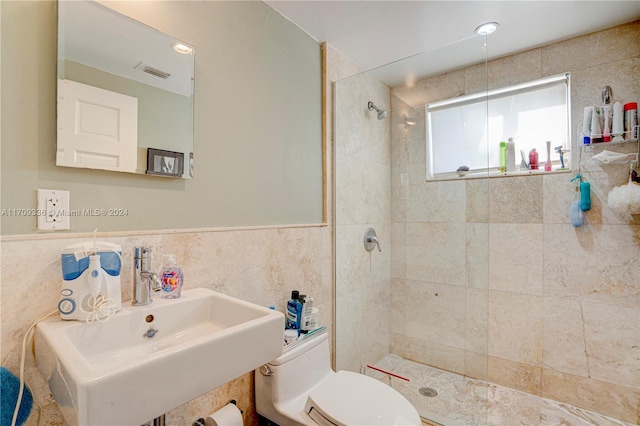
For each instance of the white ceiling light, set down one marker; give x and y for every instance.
(182, 48)
(487, 28)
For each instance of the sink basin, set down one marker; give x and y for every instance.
(148, 360)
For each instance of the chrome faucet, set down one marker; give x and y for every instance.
(144, 281)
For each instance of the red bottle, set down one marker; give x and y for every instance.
(533, 159)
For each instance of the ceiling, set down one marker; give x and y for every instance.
(94, 35)
(375, 33)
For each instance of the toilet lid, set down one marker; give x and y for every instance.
(347, 398)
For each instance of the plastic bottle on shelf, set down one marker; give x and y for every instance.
(294, 312)
(547, 165)
(533, 159)
(596, 130)
(606, 129)
(586, 125)
(511, 155)
(631, 120)
(503, 157)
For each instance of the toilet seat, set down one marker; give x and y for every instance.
(350, 399)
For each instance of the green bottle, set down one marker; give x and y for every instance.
(503, 157)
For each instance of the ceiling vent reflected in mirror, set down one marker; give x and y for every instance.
(153, 71)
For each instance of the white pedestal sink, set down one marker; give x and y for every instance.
(115, 373)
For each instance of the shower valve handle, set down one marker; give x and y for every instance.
(371, 240)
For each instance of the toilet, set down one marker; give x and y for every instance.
(300, 388)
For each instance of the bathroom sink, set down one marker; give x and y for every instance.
(147, 360)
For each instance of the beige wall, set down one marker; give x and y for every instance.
(489, 277)
(258, 147)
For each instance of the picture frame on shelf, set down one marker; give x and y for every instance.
(161, 162)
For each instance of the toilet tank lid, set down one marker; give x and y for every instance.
(300, 346)
(348, 398)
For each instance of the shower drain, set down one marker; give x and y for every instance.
(428, 392)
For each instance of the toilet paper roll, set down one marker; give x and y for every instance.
(229, 415)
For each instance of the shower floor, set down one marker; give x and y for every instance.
(463, 401)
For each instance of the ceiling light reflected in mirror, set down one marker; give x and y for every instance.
(486, 28)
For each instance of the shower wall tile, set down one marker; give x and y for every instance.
(515, 257)
(400, 133)
(475, 79)
(418, 145)
(564, 336)
(514, 69)
(375, 323)
(599, 48)
(363, 181)
(515, 327)
(436, 313)
(524, 377)
(476, 365)
(398, 250)
(477, 261)
(338, 66)
(365, 192)
(559, 193)
(432, 89)
(352, 260)
(515, 200)
(477, 200)
(399, 306)
(611, 340)
(430, 353)
(596, 266)
(436, 252)
(399, 190)
(349, 339)
(617, 401)
(437, 202)
(476, 318)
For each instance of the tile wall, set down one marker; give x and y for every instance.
(362, 200)
(489, 278)
(258, 265)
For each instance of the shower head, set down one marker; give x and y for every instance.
(382, 113)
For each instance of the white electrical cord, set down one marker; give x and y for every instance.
(101, 309)
(22, 359)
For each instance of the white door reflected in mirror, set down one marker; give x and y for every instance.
(97, 128)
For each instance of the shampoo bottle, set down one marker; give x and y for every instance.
(503, 157)
(172, 278)
(294, 311)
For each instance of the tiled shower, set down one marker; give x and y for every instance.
(487, 278)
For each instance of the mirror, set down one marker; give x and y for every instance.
(125, 94)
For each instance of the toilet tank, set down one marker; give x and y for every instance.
(302, 366)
